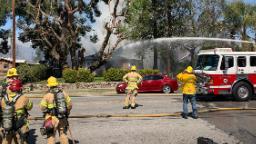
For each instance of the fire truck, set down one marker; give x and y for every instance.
(222, 71)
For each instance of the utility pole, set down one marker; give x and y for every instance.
(13, 35)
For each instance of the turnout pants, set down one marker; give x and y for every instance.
(130, 97)
(17, 136)
(62, 130)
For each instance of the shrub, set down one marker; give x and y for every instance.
(114, 74)
(69, 75)
(25, 73)
(148, 71)
(39, 72)
(84, 75)
(32, 73)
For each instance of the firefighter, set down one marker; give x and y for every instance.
(132, 79)
(56, 106)
(15, 107)
(10, 76)
(188, 87)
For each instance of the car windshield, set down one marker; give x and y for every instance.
(207, 62)
(148, 77)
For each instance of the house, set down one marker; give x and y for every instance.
(89, 60)
(6, 63)
(123, 62)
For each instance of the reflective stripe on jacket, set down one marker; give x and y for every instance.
(22, 104)
(132, 79)
(48, 102)
(188, 81)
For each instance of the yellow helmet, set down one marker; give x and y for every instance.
(52, 82)
(133, 68)
(12, 72)
(189, 69)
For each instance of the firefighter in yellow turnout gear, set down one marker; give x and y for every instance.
(188, 87)
(10, 76)
(56, 106)
(14, 114)
(132, 79)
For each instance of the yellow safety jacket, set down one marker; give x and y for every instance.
(132, 79)
(188, 81)
(22, 105)
(48, 102)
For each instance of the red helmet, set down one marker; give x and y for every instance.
(15, 85)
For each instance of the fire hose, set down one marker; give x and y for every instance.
(176, 114)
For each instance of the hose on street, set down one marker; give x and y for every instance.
(176, 114)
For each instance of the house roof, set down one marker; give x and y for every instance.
(10, 60)
(17, 60)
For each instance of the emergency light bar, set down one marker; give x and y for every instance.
(217, 50)
(223, 50)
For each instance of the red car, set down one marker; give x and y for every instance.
(153, 83)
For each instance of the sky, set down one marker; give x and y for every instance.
(25, 52)
(250, 1)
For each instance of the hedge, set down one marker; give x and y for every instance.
(80, 75)
(148, 71)
(34, 73)
(116, 74)
(69, 75)
(84, 75)
(39, 72)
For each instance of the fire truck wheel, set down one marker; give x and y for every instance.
(242, 91)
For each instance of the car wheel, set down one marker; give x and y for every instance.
(242, 91)
(167, 89)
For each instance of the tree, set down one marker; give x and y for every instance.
(55, 27)
(210, 18)
(238, 18)
(4, 47)
(113, 29)
(4, 34)
(150, 19)
(5, 8)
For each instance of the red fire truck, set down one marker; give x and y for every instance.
(222, 71)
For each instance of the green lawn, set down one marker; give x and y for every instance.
(99, 79)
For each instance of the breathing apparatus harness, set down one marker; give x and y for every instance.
(10, 121)
(60, 109)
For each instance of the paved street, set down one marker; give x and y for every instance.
(240, 124)
(164, 130)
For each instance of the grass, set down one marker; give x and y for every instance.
(99, 79)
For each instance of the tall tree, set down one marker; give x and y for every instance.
(151, 19)
(210, 18)
(4, 34)
(4, 11)
(55, 26)
(238, 18)
(113, 31)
